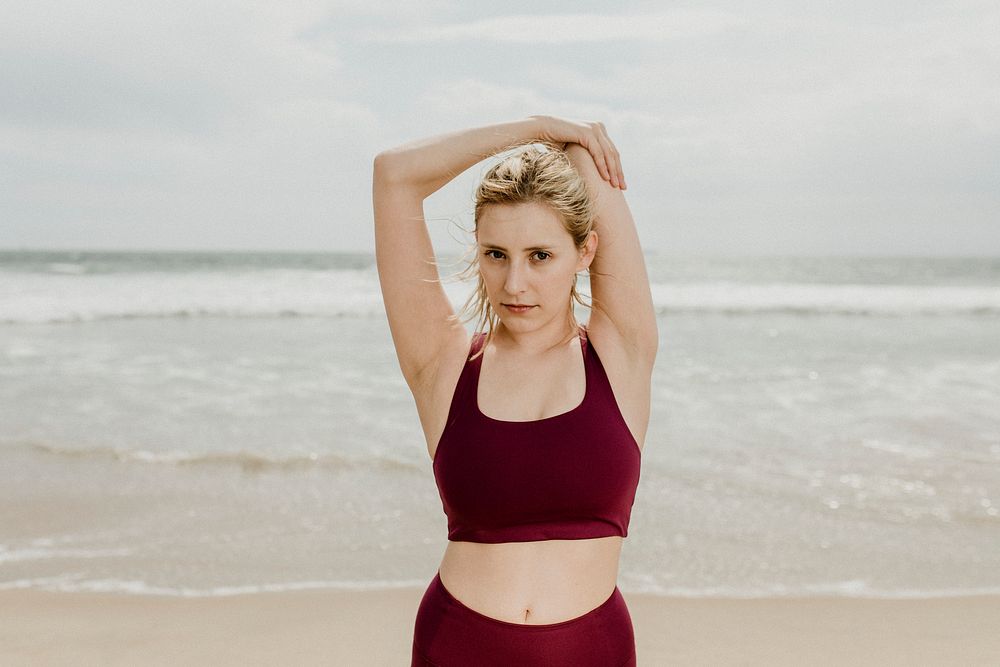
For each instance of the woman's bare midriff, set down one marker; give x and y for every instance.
(532, 582)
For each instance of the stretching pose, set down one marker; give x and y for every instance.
(534, 424)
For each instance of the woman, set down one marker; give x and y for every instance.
(535, 438)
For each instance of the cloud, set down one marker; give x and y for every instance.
(247, 125)
(162, 65)
(133, 124)
(564, 28)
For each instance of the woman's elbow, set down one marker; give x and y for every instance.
(384, 166)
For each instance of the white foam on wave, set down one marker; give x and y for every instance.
(892, 447)
(853, 588)
(66, 267)
(43, 553)
(44, 298)
(51, 298)
(248, 461)
(846, 589)
(76, 584)
(818, 298)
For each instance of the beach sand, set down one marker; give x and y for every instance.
(375, 628)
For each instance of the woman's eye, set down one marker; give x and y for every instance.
(492, 254)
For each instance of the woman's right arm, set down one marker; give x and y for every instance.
(426, 165)
(416, 305)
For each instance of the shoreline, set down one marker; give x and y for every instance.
(319, 627)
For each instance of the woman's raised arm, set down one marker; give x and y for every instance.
(426, 165)
(418, 310)
(619, 282)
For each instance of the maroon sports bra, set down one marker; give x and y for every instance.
(566, 477)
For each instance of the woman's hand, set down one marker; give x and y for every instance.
(590, 135)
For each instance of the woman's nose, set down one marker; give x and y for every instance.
(513, 283)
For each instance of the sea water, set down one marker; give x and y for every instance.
(217, 423)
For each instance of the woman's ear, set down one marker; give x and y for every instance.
(588, 252)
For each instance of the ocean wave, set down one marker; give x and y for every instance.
(42, 553)
(847, 589)
(808, 299)
(35, 299)
(31, 298)
(248, 461)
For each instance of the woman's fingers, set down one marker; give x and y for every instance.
(615, 161)
(597, 152)
(618, 167)
(593, 136)
(616, 156)
(611, 160)
(607, 151)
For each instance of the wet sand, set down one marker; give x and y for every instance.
(375, 628)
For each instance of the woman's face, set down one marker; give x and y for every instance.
(527, 257)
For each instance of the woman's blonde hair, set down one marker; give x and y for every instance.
(541, 172)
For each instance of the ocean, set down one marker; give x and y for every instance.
(204, 424)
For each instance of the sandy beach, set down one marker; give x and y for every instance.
(375, 628)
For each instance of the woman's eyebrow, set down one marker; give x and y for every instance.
(492, 246)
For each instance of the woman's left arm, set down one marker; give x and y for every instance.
(619, 283)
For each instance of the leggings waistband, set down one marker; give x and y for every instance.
(608, 603)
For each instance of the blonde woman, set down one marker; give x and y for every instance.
(534, 425)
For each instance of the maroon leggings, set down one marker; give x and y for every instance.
(449, 634)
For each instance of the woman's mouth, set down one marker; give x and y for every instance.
(517, 309)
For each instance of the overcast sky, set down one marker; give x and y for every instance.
(783, 127)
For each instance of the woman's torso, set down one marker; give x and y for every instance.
(543, 581)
